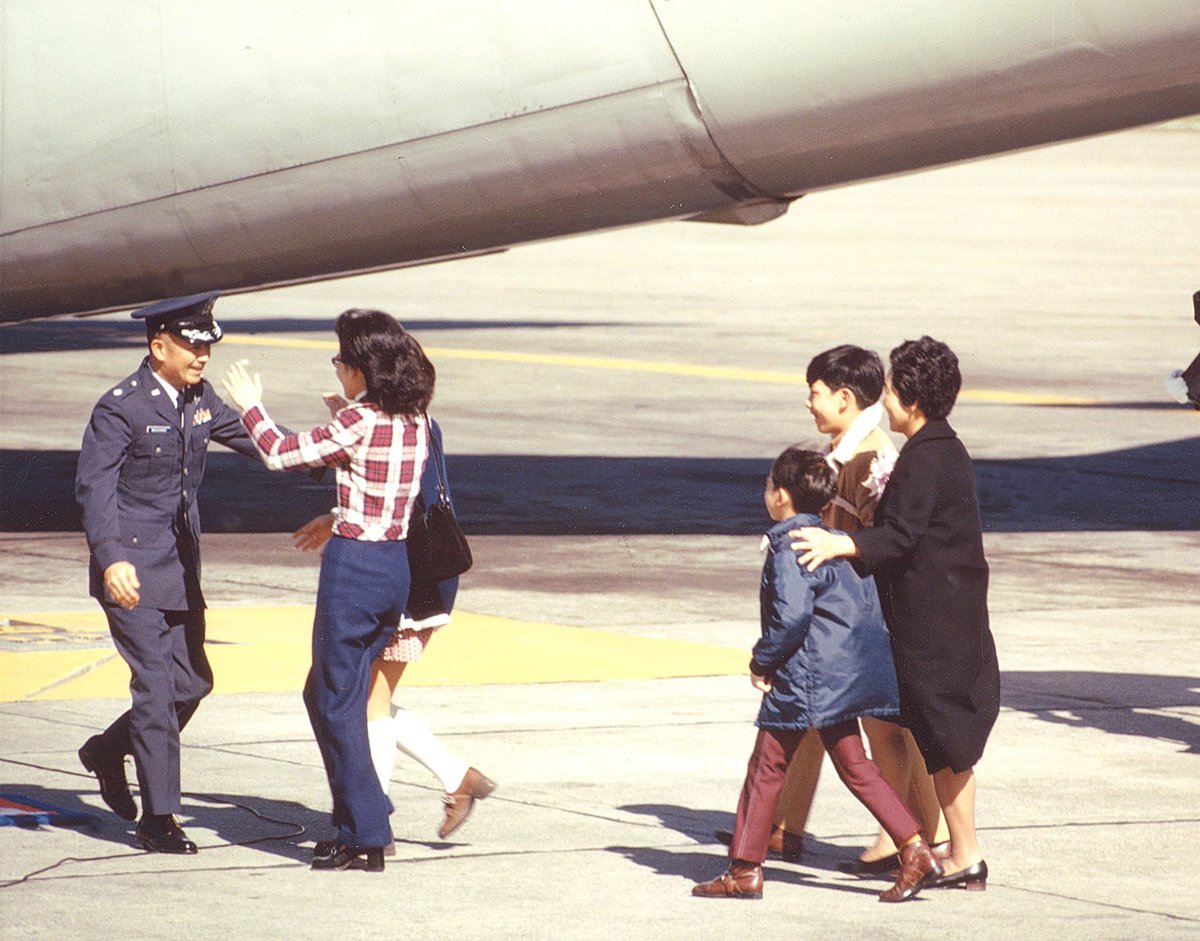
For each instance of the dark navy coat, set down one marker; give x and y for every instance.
(926, 553)
(137, 479)
(824, 645)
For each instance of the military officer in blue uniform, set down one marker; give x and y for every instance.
(140, 465)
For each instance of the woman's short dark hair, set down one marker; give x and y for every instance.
(849, 367)
(398, 374)
(925, 372)
(806, 476)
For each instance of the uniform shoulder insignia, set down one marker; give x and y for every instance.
(118, 391)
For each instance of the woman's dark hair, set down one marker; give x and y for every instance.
(806, 476)
(925, 372)
(849, 367)
(398, 374)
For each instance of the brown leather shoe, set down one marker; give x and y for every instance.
(785, 845)
(789, 846)
(918, 867)
(739, 881)
(458, 805)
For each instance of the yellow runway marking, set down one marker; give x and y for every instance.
(59, 656)
(652, 366)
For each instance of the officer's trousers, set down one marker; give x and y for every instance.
(170, 675)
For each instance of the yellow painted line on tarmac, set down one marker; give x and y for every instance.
(1021, 398)
(69, 655)
(651, 366)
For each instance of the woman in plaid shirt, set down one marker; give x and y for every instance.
(378, 445)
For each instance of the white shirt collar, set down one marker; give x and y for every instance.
(862, 426)
(168, 388)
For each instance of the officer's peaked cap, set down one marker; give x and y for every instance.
(189, 318)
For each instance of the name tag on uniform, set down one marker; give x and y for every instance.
(157, 429)
(200, 416)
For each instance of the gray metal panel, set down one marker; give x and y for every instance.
(240, 145)
(801, 96)
(611, 161)
(157, 157)
(108, 109)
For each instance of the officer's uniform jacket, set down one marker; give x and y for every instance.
(136, 483)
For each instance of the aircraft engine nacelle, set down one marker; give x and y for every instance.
(162, 149)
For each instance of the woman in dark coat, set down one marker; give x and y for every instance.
(926, 553)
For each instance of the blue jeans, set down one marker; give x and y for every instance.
(360, 597)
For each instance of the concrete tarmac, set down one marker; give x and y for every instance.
(611, 404)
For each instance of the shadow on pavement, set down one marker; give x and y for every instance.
(1117, 703)
(74, 334)
(1150, 488)
(700, 867)
(277, 827)
(700, 825)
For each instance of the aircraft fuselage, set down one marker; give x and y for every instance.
(161, 149)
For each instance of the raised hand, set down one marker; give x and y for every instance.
(245, 390)
(334, 402)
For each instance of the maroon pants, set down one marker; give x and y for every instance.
(764, 782)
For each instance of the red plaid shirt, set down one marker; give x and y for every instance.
(379, 460)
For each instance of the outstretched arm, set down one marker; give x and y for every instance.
(280, 450)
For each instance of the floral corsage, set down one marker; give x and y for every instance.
(879, 473)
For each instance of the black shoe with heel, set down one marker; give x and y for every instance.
(974, 878)
(342, 856)
(110, 773)
(159, 833)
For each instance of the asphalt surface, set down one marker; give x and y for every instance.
(611, 404)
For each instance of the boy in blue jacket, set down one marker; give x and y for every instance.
(823, 661)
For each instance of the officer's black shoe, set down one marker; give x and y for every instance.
(110, 772)
(159, 833)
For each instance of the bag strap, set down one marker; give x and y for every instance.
(435, 453)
